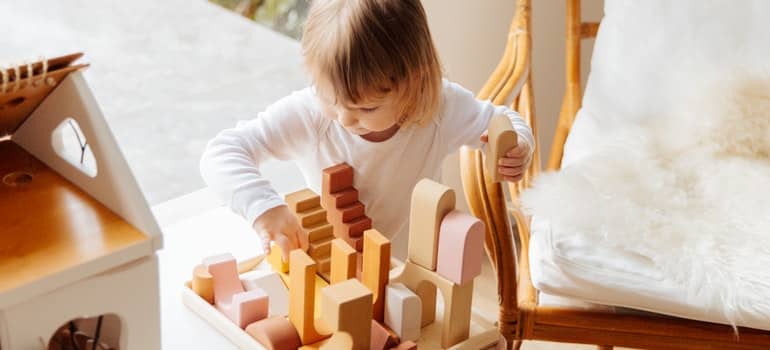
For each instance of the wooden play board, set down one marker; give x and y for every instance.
(342, 292)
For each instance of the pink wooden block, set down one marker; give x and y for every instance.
(241, 307)
(460, 247)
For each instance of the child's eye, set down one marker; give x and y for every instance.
(369, 109)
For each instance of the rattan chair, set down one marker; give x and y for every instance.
(520, 317)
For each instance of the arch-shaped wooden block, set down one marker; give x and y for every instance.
(275, 333)
(239, 306)
(431, 201)
(460, 247)
(502, 138)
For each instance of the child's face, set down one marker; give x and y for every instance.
(369, 115)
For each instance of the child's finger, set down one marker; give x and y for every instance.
(513, 179)
(518, 151)
(511, 162)
(285, 245)
(511, 171)
(484, 137)
(264, 239)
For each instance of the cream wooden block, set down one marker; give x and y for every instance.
(403, 311)
(343, 261)
(431, 201)
(502, 138)
(272, 284)
(302, 291)
(460, 247)
(376, 265)
(302, 200)
(347, 307)
(457, 300)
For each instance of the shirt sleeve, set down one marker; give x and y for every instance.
(286, 130)
(465, 118)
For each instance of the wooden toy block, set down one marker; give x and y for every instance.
(347, 307)
(320, 248)
(381, 338)
(302, 291)
(343, 261)
(272, 284)
(457, 300)
(337, 178)
(320, 283)
(431, 201)
(324, 265)
(343, 198)
(502, 138)
(319, 231)
(427, 294)
(407, 345)
(356, 227)
(275, 333)
(312, 217)
(239, 306)
(460, 247)
(203, 283)
(403, 311)
(275, 258)
(352, 211)
(250, 263)
(376, 266)
(302, 200)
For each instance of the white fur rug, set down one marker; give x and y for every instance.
(690, 191)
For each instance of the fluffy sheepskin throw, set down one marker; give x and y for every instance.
(690, 191)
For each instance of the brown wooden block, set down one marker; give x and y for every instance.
(203, 283)
(337, 178)
(502, 138)
(343, 198)
(319, 231)
(275, 333)
(302, 200)
(358, 243)
(343, 258)
(312, 217)
(381, 338)
(324, 264)
(375, 270)
(357, 227)
(352, 211)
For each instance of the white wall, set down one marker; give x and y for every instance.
(470, 37)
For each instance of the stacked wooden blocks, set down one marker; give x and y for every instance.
(313, 219)
(343, 209)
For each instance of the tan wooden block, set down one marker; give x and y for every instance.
(203, 283)
(312, 217)
(431, 201)
(320, 248)
(275, 333)
(319, 231)
(427, 293)
(346, 307)
(275, 259)
(457, 300)
(302, 290)
(302, 200)
(320, 283)
(502, 138)
(324, 265)
(337, 178)
(357, 227)
(343, 258)
(407, 345)
(343, 198)
(375, 269)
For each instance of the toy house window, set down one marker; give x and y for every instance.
(71, 144)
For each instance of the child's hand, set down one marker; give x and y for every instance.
(280, 226)
(514, 163)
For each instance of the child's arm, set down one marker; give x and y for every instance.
(287, 130)
(466, 120)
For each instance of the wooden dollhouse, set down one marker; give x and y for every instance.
(77, 238)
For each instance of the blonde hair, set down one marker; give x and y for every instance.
(368, 48)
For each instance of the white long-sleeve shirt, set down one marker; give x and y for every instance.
(294, 128)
